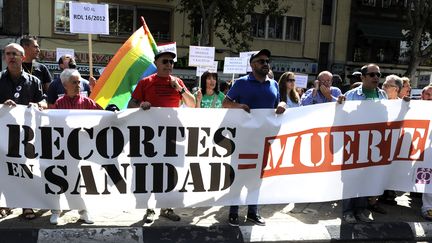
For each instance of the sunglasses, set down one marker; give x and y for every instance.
(372, 75)
(263, 61)
(165, 61)
(291, 80)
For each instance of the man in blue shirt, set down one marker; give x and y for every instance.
(354, 209)
(254, 91)
(368, 90)
(322, 92)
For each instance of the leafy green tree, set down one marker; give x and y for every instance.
(228, 20)
(419, 15)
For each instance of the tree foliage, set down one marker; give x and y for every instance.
(419, 16)
(228, 20)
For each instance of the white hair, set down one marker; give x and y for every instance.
(66, 75)
(16, 46)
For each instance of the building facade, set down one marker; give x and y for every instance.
(313, 35)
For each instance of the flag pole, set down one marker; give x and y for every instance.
(90, 55)
(143, 23)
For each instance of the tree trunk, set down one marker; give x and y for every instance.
(415, 54)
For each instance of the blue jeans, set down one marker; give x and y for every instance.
(252, 209)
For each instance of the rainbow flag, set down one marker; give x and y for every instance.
(132, 62)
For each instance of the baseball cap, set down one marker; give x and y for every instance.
(261, 52)
(164, 52)
(356, 73)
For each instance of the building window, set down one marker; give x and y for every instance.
(272, 27)
(327, 12)
(158, 21)
(258, 25)
(275, 27)
(293, 28)
(370, 3)
(61, 17)
(123, 20)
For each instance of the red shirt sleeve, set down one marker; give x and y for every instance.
(138, 93)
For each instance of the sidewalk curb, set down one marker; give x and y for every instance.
(279, 232)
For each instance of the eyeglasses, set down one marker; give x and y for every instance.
(263, 61)
(291, 80)
(372, 75)
(12, 53)
(165, 61)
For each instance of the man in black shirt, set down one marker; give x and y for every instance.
(19, 87)
(31, 48)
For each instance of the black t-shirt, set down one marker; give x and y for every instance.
(39, 70)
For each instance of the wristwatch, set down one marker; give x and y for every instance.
(182, 90)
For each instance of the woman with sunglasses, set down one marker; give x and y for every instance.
(288, 91)
(209, 96)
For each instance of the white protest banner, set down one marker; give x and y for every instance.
(301, 80)
(201, 56)
(247, 55)
(172, 47)
(87, 18)
(235, 65)
(64, 51)
(166, 157)
(201, 69)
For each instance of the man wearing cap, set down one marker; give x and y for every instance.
(254, 91)
(323, 91)
(56, 88)
(161, 90)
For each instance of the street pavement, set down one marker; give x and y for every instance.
(300, 222)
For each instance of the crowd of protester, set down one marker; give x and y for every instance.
(26, 82)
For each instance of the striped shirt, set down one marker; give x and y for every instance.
(77, 102)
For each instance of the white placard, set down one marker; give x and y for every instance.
(64, 51)
(247, 55)
(86, 18)
(201, 69)
(171, 47)
(235, 65)
(301, 80)
(201, 56)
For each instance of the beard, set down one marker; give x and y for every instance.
(262, 71)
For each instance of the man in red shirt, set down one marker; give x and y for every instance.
(161, 90)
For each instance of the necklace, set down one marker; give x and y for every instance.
(27, 70)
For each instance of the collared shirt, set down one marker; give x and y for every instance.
(39, 70)
(77, 102)
(357, 94)
(28, 88)
(308, 98)
(255, 94)
(56, 89)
